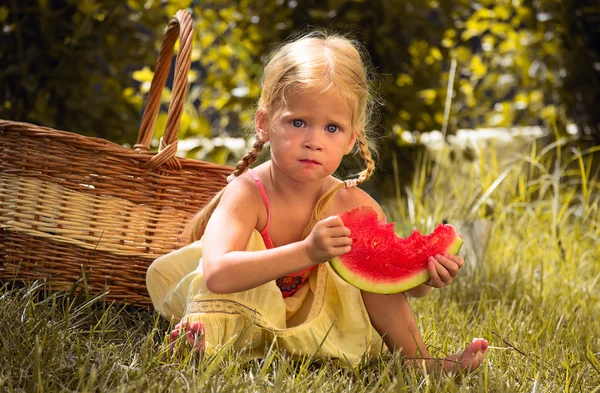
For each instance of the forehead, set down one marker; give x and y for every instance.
(331, 103)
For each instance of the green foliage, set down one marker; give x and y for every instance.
(67, 64)
(508, 57)
(74, 65)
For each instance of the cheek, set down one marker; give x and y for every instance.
(281, 145)
(287, 139)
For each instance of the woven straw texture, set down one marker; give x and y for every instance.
(74, 206)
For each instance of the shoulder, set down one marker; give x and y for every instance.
(230, 225)
(242, 194)
(349, 198)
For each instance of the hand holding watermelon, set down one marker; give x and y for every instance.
(443, 269)
(381, 262)
(328, 239)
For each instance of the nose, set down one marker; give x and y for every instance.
(313, 141)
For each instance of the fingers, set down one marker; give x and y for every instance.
(332, 221)
(337, 251)
(329, 238)
(339, 241)
(443, 269)
(338, 232)
(434, 280)
(452, 263)
(440, 276)
(333, 227)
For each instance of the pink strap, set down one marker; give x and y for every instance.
(261, 188)
(286, 289)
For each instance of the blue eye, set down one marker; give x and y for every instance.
(332, 128)
(297, 123)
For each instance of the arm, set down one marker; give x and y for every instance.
(229, 268)
(419, 291)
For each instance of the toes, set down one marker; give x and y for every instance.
(476, 361)
(474, 353)
(478, 344)
(194, 334)
(197, 328)
(196, 331)
(175, 333)
(191, 340)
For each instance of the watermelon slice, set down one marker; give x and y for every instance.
(382, 262)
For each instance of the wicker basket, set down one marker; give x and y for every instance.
(72, 205)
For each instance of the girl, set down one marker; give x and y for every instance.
(255, 270)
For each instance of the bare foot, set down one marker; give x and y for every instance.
(469, 359)
(194, 333)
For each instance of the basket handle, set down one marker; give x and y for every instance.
(179, 27)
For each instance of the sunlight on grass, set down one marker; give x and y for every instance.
(535, 296)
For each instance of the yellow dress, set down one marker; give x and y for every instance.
(326, 318)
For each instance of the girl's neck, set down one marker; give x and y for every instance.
(290, 189)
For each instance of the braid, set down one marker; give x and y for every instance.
(249, 158)
(365, 152)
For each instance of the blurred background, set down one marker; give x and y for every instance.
(449, 72)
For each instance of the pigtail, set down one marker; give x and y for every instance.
(365, 152)
(248, 159)
(194, 230)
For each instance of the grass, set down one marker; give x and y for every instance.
(535, 297)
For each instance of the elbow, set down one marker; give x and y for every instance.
(215, 282)
(419, 291)
(214, 286)
(416, 295)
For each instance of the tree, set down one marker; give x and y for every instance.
(509, 58)
(512, 57)
(581, 19)
(67, 64)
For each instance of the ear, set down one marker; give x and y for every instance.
(261, 125)
(351, 143)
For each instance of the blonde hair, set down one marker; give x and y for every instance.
(316, 60)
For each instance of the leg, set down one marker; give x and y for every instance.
(393, 319)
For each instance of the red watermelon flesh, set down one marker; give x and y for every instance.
(381, 262)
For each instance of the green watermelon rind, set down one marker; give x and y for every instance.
(388, 288)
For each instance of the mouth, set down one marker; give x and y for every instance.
(310, 162)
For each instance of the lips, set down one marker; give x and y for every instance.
(308, 161)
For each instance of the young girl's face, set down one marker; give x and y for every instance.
(310, 135)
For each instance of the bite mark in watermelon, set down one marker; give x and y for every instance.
(382, 262)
